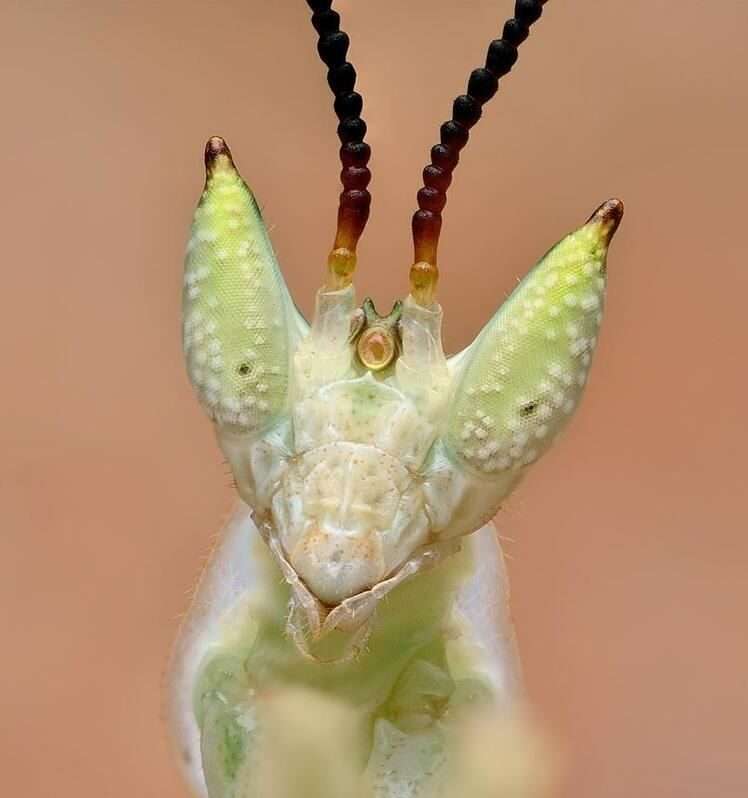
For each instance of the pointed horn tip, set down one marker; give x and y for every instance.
(214, 149)
(609, 214)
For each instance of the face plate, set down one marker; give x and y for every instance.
(363, 473)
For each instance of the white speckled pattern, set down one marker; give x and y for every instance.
(353, 471)
(361, 573)
(530, 363)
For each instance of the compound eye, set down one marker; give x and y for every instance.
(376, 348)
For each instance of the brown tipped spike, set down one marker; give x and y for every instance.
(216, 146)
(609, 214)
(217, 154)
(217, 157)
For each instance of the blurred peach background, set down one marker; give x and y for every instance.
(629, 557)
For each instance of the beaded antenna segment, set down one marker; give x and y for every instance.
(355, 176)
(453, 136)
(363, 563)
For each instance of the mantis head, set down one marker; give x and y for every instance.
(364, 451)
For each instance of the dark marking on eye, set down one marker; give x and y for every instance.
(244, 369)
(528, 409)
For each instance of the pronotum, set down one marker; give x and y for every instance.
(362, 562)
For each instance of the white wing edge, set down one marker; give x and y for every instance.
(483, 602)
(230, 575)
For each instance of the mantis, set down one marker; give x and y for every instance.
(363, 563)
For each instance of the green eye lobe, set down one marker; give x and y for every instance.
(235, 303)
(527, 369)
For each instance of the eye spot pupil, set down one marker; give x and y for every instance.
(376, 348)
(377, 351)
(244, 369)
(528, 409)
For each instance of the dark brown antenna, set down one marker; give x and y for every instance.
(454, 134)
(355, 200)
